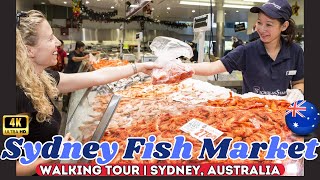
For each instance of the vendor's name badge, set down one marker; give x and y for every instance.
(291, 72)
(15, 125)
(200, 130)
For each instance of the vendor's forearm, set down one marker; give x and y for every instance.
(208, 69)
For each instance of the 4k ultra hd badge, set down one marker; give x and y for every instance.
(14, 125)
(302, 117)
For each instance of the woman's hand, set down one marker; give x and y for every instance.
(68, 137)
(147, 67)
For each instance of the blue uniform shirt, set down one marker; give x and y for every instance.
(261, 74)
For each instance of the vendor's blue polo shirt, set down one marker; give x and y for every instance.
(261, 74)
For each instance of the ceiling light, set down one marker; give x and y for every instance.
(237, 6)
(193, 11)
(262, 1)
(237, 11)
(193, 3)
(87, 2)
(225, 13)
(168, 8)
(43, 3)
(152, 9)
(112, 7)
(98, 0)
(65, 2)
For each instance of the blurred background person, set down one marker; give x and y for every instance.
(254, 35)
(194, 59)
(236, 42)
(61, 59)
(63, 55)
(75, 59)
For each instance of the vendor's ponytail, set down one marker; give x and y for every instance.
(290, 32)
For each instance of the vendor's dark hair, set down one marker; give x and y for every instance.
(290, 32)
(79, 44)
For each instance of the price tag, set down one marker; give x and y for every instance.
(200, 130)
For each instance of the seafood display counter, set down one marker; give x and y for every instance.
(163, 110)
(233, 80)
(85, 67)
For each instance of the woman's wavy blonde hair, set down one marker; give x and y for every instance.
(38, 87)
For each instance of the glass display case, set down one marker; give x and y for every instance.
(133, 107)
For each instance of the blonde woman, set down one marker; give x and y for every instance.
(36, 49)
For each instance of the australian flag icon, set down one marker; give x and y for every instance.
(302, 117)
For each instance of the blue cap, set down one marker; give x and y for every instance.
(276, 9)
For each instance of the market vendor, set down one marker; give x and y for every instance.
(271, 64)
(75, 59)
(36, 49)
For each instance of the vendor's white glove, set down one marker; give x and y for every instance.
(294, 95)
